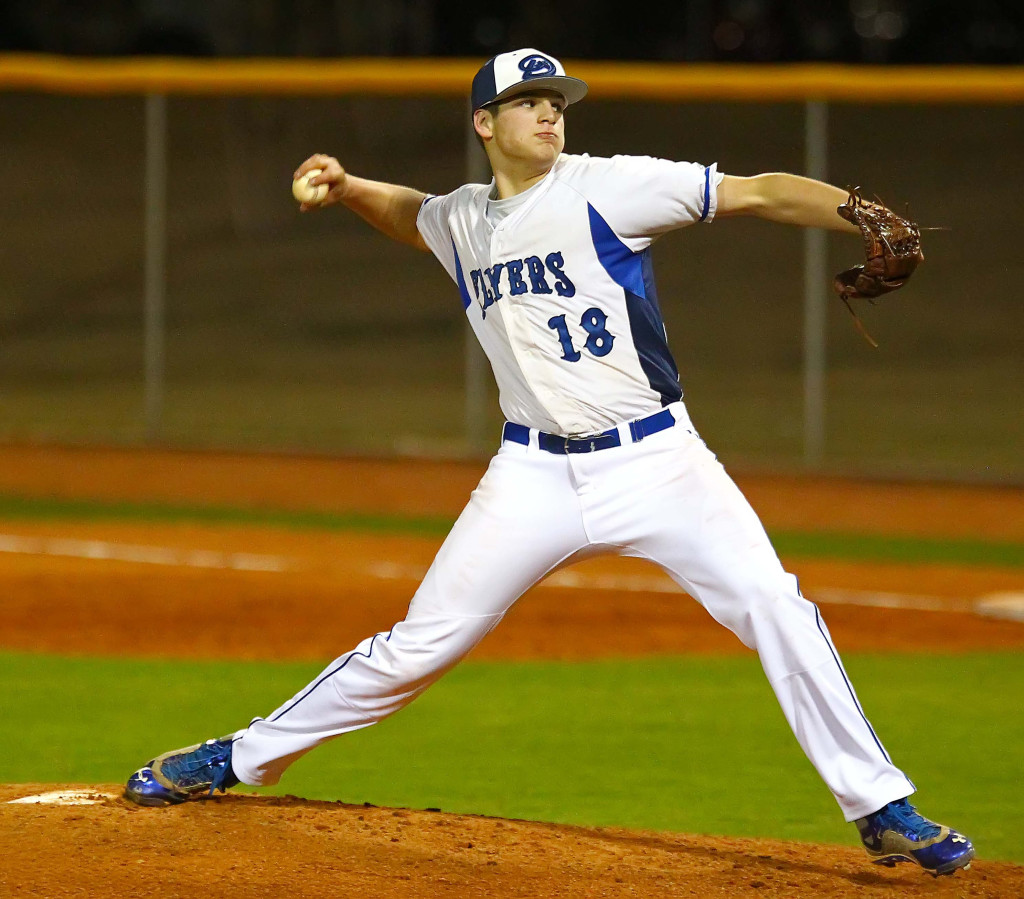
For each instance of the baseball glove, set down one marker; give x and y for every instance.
(892, 250)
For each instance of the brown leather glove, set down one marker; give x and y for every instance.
(892, 250)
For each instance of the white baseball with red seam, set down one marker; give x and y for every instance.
(305, 192)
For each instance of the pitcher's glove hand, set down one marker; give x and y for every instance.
(892, 250)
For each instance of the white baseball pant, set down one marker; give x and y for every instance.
(666, 499)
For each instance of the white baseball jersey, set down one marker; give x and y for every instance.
(560, 292)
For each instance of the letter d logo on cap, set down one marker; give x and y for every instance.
(537, 66)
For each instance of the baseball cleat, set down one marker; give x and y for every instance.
(182, 774)
(897, 833)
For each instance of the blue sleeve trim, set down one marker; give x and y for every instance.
(707, 193)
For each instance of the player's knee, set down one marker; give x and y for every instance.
(405, 666)
(753, 604)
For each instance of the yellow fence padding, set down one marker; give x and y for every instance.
(451, 77)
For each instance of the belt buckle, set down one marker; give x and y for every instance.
(574, 445)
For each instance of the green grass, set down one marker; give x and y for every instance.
(35, 509)
(893, 548)
(677, 744)
(824, 544)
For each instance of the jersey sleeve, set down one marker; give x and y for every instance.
(432, 222)
(644, 196)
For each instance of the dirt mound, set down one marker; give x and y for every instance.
(244, 845)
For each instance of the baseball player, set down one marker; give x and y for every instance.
(552, 264)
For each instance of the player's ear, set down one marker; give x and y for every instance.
(483, 123)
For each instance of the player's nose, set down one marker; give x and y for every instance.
(547, 111)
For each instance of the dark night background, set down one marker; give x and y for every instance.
(852, 31)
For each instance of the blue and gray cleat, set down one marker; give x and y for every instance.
(182, 774)
(897, 833)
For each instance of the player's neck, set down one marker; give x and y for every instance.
(511, 180)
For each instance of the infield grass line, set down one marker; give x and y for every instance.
(802, 544)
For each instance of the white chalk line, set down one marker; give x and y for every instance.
(627, 583)
(1008, 606)
(881, 600)
(148, 555)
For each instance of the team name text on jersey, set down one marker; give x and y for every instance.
(514, 274)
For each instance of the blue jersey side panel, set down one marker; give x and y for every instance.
(634, 273)
(459, 279)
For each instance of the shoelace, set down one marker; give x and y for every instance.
(902, 816)
(191, 767)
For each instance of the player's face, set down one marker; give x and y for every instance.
(530, 128)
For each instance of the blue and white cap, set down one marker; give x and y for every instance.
(508, 74)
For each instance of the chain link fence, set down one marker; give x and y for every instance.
(312, 333)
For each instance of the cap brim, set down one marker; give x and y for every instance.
(573, 89)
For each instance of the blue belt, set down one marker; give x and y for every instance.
(553, 443)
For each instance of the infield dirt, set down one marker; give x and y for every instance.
(61, 599)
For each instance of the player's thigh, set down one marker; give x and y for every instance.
(694, 521)
(521, 522)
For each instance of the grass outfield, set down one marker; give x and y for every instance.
(677, 744)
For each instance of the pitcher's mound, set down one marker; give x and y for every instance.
(76, 840)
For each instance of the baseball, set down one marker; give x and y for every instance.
(304, 193)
